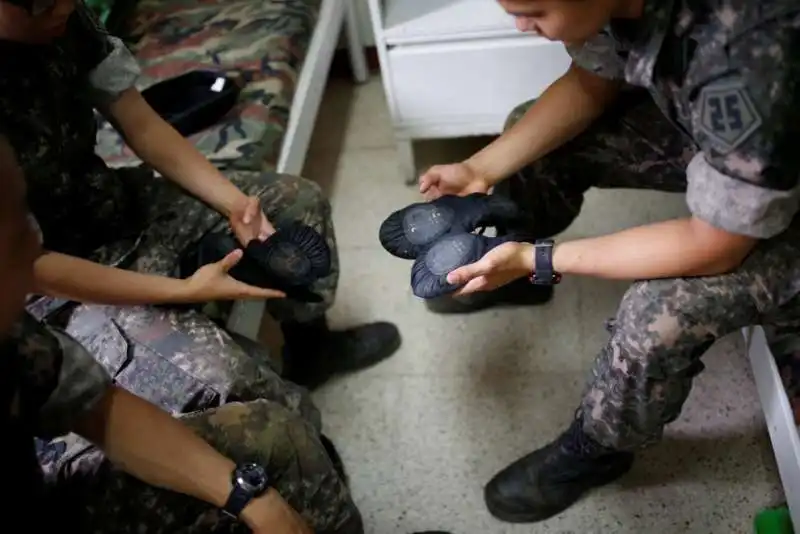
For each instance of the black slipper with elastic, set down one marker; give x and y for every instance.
(409, 232)
(290, 260)
(430, 270)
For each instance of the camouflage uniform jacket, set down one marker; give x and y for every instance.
(725, 73)
(47, 381)
(48, 97)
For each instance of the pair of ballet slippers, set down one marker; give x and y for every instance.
(440, 236)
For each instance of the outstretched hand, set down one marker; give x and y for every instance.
(248, 221)
(498, 267)
(453, 179)
(212, 282)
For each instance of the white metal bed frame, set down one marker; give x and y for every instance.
(783, 430)
(334, 17)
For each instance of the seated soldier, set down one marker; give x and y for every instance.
(244, 467)
(115, 237)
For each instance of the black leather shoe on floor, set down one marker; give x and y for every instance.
(517, 293)
(313, 354)
(549, 480)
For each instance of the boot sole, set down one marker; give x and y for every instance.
(451, 306)
(543, 515)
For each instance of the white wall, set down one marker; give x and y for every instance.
(366, 25)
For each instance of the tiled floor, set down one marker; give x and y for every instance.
(464, 396)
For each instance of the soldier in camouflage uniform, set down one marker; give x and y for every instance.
(161, 474)
(115, 237)
(698, 97)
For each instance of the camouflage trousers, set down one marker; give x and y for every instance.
(223, 386)
(100, 498)
(642, 376)
(178, 357)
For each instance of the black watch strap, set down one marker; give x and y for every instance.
(248, 481)
(543, 272)
(237, 500)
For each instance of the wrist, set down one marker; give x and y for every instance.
(186, 292)
(526, 259)
(228, 203)
(482, 170)
(568, 256)
(258, 512)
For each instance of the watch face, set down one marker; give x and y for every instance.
(251, 478)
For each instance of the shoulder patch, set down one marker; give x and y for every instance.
(727, 115)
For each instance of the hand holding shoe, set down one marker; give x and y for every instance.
(212, 282)
(454, 179)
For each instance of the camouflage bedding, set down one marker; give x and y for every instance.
(261, 42)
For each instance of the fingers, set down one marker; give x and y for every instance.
(481, 283)
(229, 262)
(429, 179)
(432, 194)
(266, 229)
(464, 274)
(251, 210)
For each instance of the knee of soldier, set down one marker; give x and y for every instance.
(301, 197)
(656, 316)
(517, 113)
(265, 431)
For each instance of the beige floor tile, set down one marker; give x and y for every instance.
(367, 188)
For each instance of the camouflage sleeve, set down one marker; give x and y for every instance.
(601, 55)
(746, 121)
(117, 69)
(61, 379)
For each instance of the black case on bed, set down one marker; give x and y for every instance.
(193, 101)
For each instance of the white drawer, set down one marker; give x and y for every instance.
(471, 84)
(429, 21)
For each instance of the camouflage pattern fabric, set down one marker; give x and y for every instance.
(263, 44)
(132, 219)
(632, 146)
(50, 382)
(260, 431)
(178, 357)
(727, 144)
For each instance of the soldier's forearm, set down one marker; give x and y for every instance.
(59, 275)
(149, 444)
(159, 450)
(167, 151)
(670, 249)
(563, 111)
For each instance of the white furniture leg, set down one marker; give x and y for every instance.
(783, 431)
(358, 56)
(246, 316)
(408, 168)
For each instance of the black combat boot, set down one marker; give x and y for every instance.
(313, 353)
(549, 480)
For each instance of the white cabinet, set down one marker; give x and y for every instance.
(455, 68)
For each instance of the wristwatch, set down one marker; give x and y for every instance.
(543, 273)
(249, 481)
